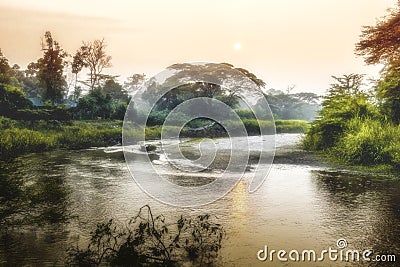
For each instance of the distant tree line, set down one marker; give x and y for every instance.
(54, 86)
(296, 106)
(48, 83)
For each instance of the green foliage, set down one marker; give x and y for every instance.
(4, 69)
(59, 113)
(245, 114)
(291, 126)
(95, 105)
(370, 142)
(158, 117)
(115, 90)
(344, 101)
(20, 137)
(50, 70)
(324, 134)
(351, 128)
(19, 141)
(6, 123)
(120, 110)
(150, 241)
(12, 98)
(388, 93)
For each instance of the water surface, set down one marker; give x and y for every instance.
(52, 200)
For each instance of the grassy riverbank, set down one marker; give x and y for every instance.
(366, 145)
(21, 137)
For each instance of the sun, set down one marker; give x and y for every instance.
(237, 46)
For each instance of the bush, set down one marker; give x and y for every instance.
(12, 98)
(151, 241)
(324, 134)
(370, 142)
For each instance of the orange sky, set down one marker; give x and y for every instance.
(284, 42)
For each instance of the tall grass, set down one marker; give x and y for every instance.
(370, 142)
(19, 138)
(291, 126)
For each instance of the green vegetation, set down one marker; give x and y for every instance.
(291, 126)
(20, 137)
(298, 106)
(65, 112)
(147, 240)
(352, 128)
(360, 127)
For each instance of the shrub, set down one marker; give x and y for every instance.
(151, 241)
(370, 142)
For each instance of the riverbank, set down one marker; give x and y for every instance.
(22, 137)
(294, 153)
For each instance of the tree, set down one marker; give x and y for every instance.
(30, 82)
(133, 82)
(345, 101)
(11, 99)
(4, 69)
(115, 89)
(92, 55)
(388, 94)
(50, 70)
(381, 43)
(207, 82)
(95, 105)
(77, 65)
(299, 106)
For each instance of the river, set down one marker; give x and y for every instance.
(51, 201)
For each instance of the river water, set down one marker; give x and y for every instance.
(51, 201)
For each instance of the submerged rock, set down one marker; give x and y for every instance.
(148, 147)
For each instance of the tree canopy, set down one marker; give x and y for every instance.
(92, 55)
(381, 43)
(50, 70)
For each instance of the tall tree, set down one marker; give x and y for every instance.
(92, 55)
(50, 69)
(77, 65)
(4, 69)
(381, 44)
(31, 84)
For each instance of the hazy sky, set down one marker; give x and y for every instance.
(284, 42)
